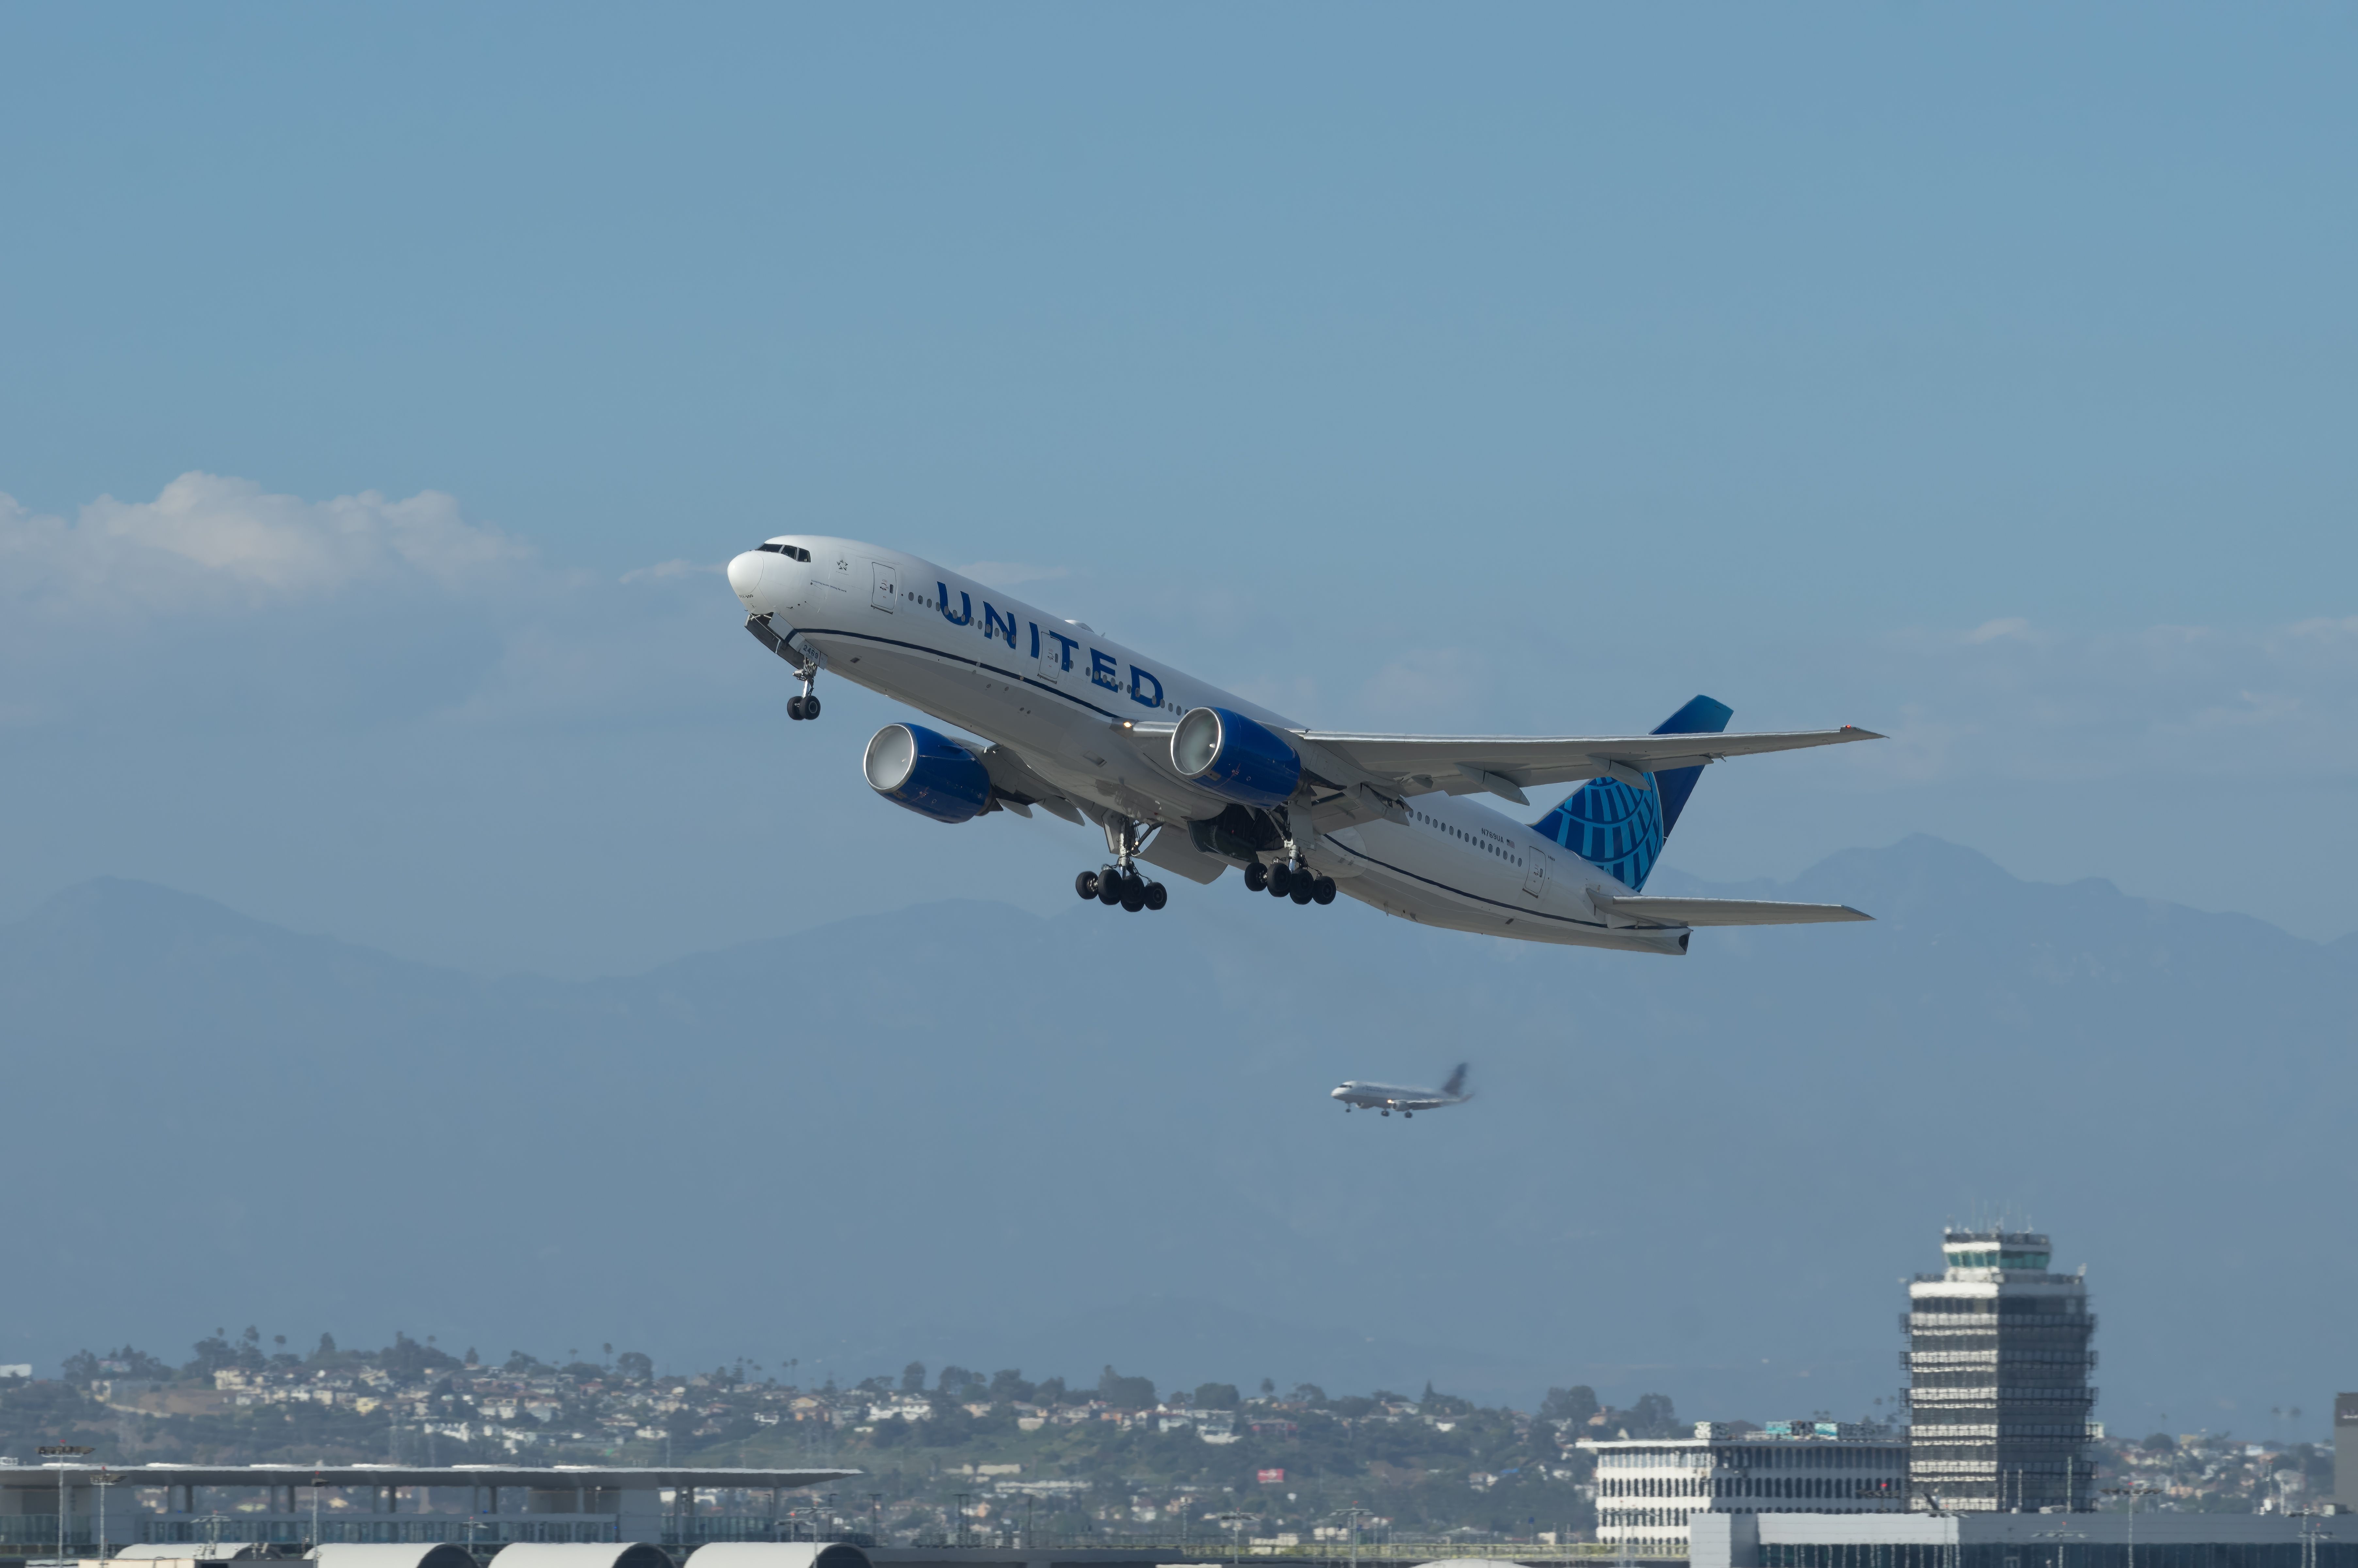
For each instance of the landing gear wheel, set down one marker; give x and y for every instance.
(810, 706)
(1406, 1114)
(1280, 879)
(1133, 892)
(1085, 885)
(1304, 888)
(1109, 883)
(1255, 878)
(1157, 895)
(1322, 891)
(794, 707)
(1388, 1113)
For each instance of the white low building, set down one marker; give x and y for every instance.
(1647, 1488)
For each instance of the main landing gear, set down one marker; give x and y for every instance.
(1299, 883)
(1113, 885)
(1121, 883)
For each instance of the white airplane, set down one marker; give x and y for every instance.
(1391, 1097)
(1194, 780)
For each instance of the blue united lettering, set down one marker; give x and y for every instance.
(994, 624)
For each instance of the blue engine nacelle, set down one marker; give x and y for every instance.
(910, 765)
(1235, 758)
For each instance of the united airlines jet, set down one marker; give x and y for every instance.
(1192, 780)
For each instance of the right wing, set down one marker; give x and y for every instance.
(1507, 765)
(1724, 911)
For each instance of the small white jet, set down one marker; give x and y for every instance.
(1194, 780)
(1391, 1097)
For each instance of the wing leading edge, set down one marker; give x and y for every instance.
(1724, 911)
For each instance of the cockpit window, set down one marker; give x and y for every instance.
(792, 552)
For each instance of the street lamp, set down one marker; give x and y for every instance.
(2133, 1491)
(1355, 1516)
(62, 1453)
(102, 1481)
(1236, 1523)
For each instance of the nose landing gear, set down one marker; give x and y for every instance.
(807, 705)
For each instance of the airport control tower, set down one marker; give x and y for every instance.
(1997, 1365)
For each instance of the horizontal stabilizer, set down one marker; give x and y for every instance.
(1724, 911)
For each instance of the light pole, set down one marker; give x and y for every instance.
(1355, 1516)
(2133, 1491)
(63, 1453)
(2309, 1536)
(1236, 1523)
(102, 1481)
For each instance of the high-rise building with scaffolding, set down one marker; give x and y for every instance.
(1998, 1364)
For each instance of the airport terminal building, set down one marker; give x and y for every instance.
(1648, 1489)
(292, 1507)
(1994, 1540)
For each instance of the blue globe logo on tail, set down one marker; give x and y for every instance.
(1621, 830)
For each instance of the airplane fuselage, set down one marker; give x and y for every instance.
(1393, 1097)
(1093, 718)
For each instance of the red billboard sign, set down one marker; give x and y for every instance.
(1270, 1477)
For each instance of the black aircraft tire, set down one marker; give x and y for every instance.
(810, 706)
(1323, 889)
(1388, 1113)
(1109, 887)
(1085, 885)
(1303, 891)
(1406, 1114)
(1133, 892)
(1280, 878)
(794, 708)
(1156, 895)
(1255, 878)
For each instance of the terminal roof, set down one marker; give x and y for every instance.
(546, 1476)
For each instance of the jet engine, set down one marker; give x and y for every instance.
(1235, 758)
(910, 765)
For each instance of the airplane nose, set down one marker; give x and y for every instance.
(1336, 1095)
(746, 575)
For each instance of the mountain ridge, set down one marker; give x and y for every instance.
(1064, 1114)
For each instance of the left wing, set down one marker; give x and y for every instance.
(1506, 764)
(1724, 911)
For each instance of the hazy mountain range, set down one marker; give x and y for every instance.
(963, 1134)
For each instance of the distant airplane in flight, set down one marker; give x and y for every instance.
(1391, 1097)
(1194, 780)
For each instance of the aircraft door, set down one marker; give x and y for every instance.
(1056, 656)
(1535, 884)
(886, 593)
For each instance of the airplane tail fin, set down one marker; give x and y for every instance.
(1457, 1084)
(1622, 830)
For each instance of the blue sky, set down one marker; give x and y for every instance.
(1985, 378)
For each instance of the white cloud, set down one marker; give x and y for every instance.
(209, 540)
(663, 570)
(1990, 631)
